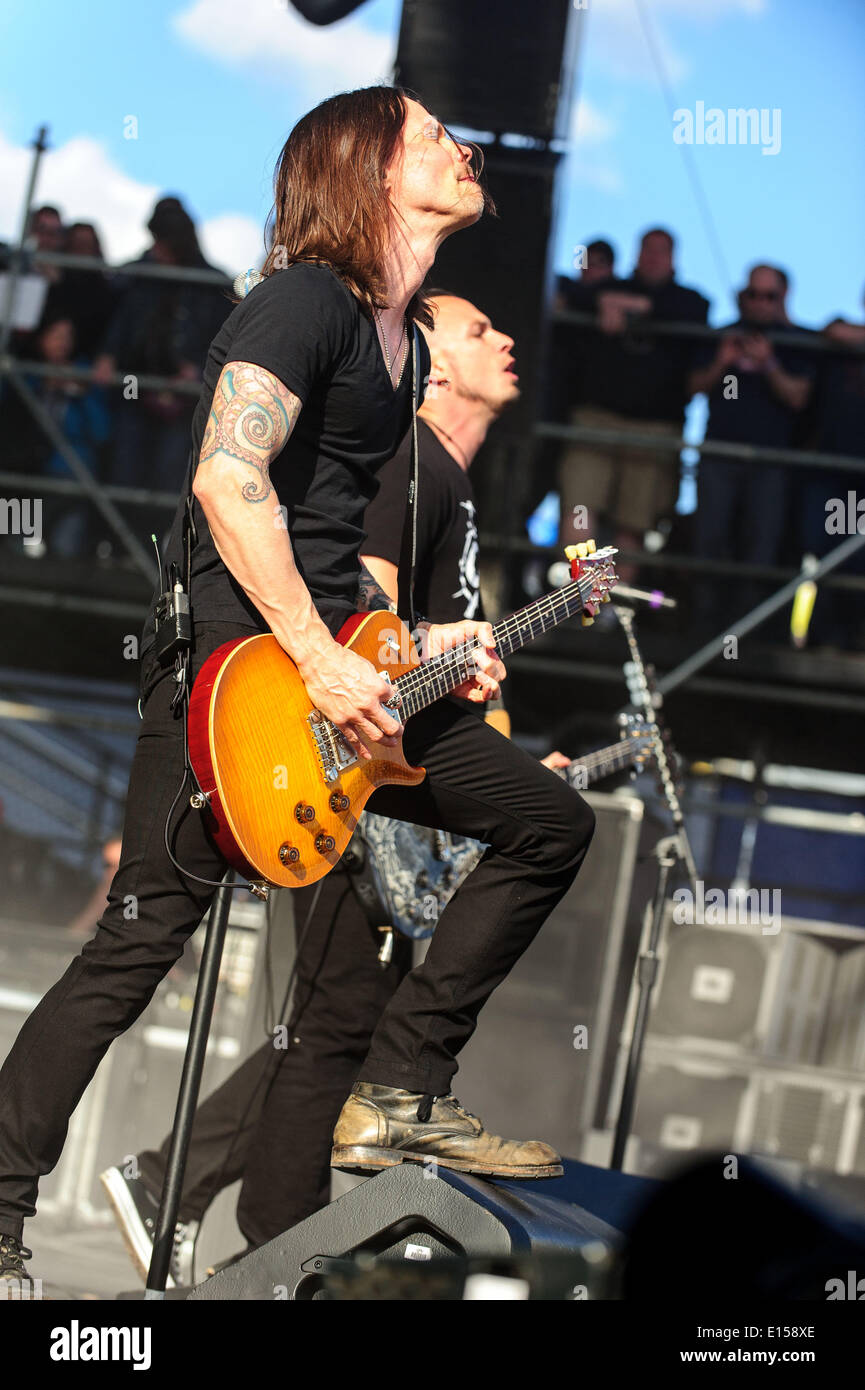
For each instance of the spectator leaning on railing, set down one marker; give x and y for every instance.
(87, 297)
(621, 378)
(160, 328)
(756, 390)
(79, 409)
(837, 426)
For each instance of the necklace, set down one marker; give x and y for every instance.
(450, 438)
(387, 356)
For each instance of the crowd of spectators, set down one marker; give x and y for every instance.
(110, 322)
(612, 372)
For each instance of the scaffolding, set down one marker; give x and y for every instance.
(101, 771)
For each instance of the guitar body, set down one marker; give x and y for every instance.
(283, 793)
(280, 789)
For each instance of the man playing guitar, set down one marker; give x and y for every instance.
(271, 1123)
(305, 397)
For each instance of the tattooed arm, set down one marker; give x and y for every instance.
(378, 584)
(251, 418)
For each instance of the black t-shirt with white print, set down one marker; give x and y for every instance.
(305, 326)
(447, 581)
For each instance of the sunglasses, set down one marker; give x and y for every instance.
(770, 295)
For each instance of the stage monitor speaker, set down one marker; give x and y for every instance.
(410, 1213)
(754, 990)
(692, 1102)
(844, 1038)
(538, 1065)
(489, 67)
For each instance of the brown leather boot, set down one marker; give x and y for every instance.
(379, 1127)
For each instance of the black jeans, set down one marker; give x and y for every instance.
(271, 1123)
(477, 783)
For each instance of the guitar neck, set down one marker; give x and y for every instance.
(600, 763)
(437, 677)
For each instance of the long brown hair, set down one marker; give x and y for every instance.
(330, 204)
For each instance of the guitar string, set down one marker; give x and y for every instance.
(510, 627)
(445, 667)
(514, 625)
(448, 670)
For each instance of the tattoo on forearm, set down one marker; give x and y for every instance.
(251, 417)
(372, 595)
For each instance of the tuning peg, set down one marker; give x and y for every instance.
(570, 552)
(590, 547)
(587, 621)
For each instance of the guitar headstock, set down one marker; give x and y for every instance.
(596, 566)
(640, 740)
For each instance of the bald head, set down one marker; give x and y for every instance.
(470, 361)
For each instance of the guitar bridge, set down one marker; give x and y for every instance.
(334, 754)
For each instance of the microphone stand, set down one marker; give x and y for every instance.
(671, 852)
(190, 1083)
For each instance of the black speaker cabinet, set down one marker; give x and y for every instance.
(499, 67)
(745, 990)
(407, 1213)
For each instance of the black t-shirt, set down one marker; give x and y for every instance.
(632, 373)
(756, 415)
(305, 326)
(447, 580)
(840, 405)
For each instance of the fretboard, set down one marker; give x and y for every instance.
(442, 674)
(602, 761)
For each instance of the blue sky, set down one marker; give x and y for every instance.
(215, 86)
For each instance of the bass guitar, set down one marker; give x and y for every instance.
(414, 871)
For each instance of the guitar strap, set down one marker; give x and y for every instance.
(408, 546)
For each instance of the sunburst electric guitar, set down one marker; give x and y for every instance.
(280, 788)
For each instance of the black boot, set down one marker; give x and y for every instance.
(15, 1282)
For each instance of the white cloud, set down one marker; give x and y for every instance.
(268, 34)
(86, 185)
(233, 242)
(80, 178)
(589, 125)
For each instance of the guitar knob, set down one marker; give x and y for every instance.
(288, 854)
(338, 802)
(303, 812)
(324, 844)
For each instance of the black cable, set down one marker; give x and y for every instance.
(187, 772)
(699, 193)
